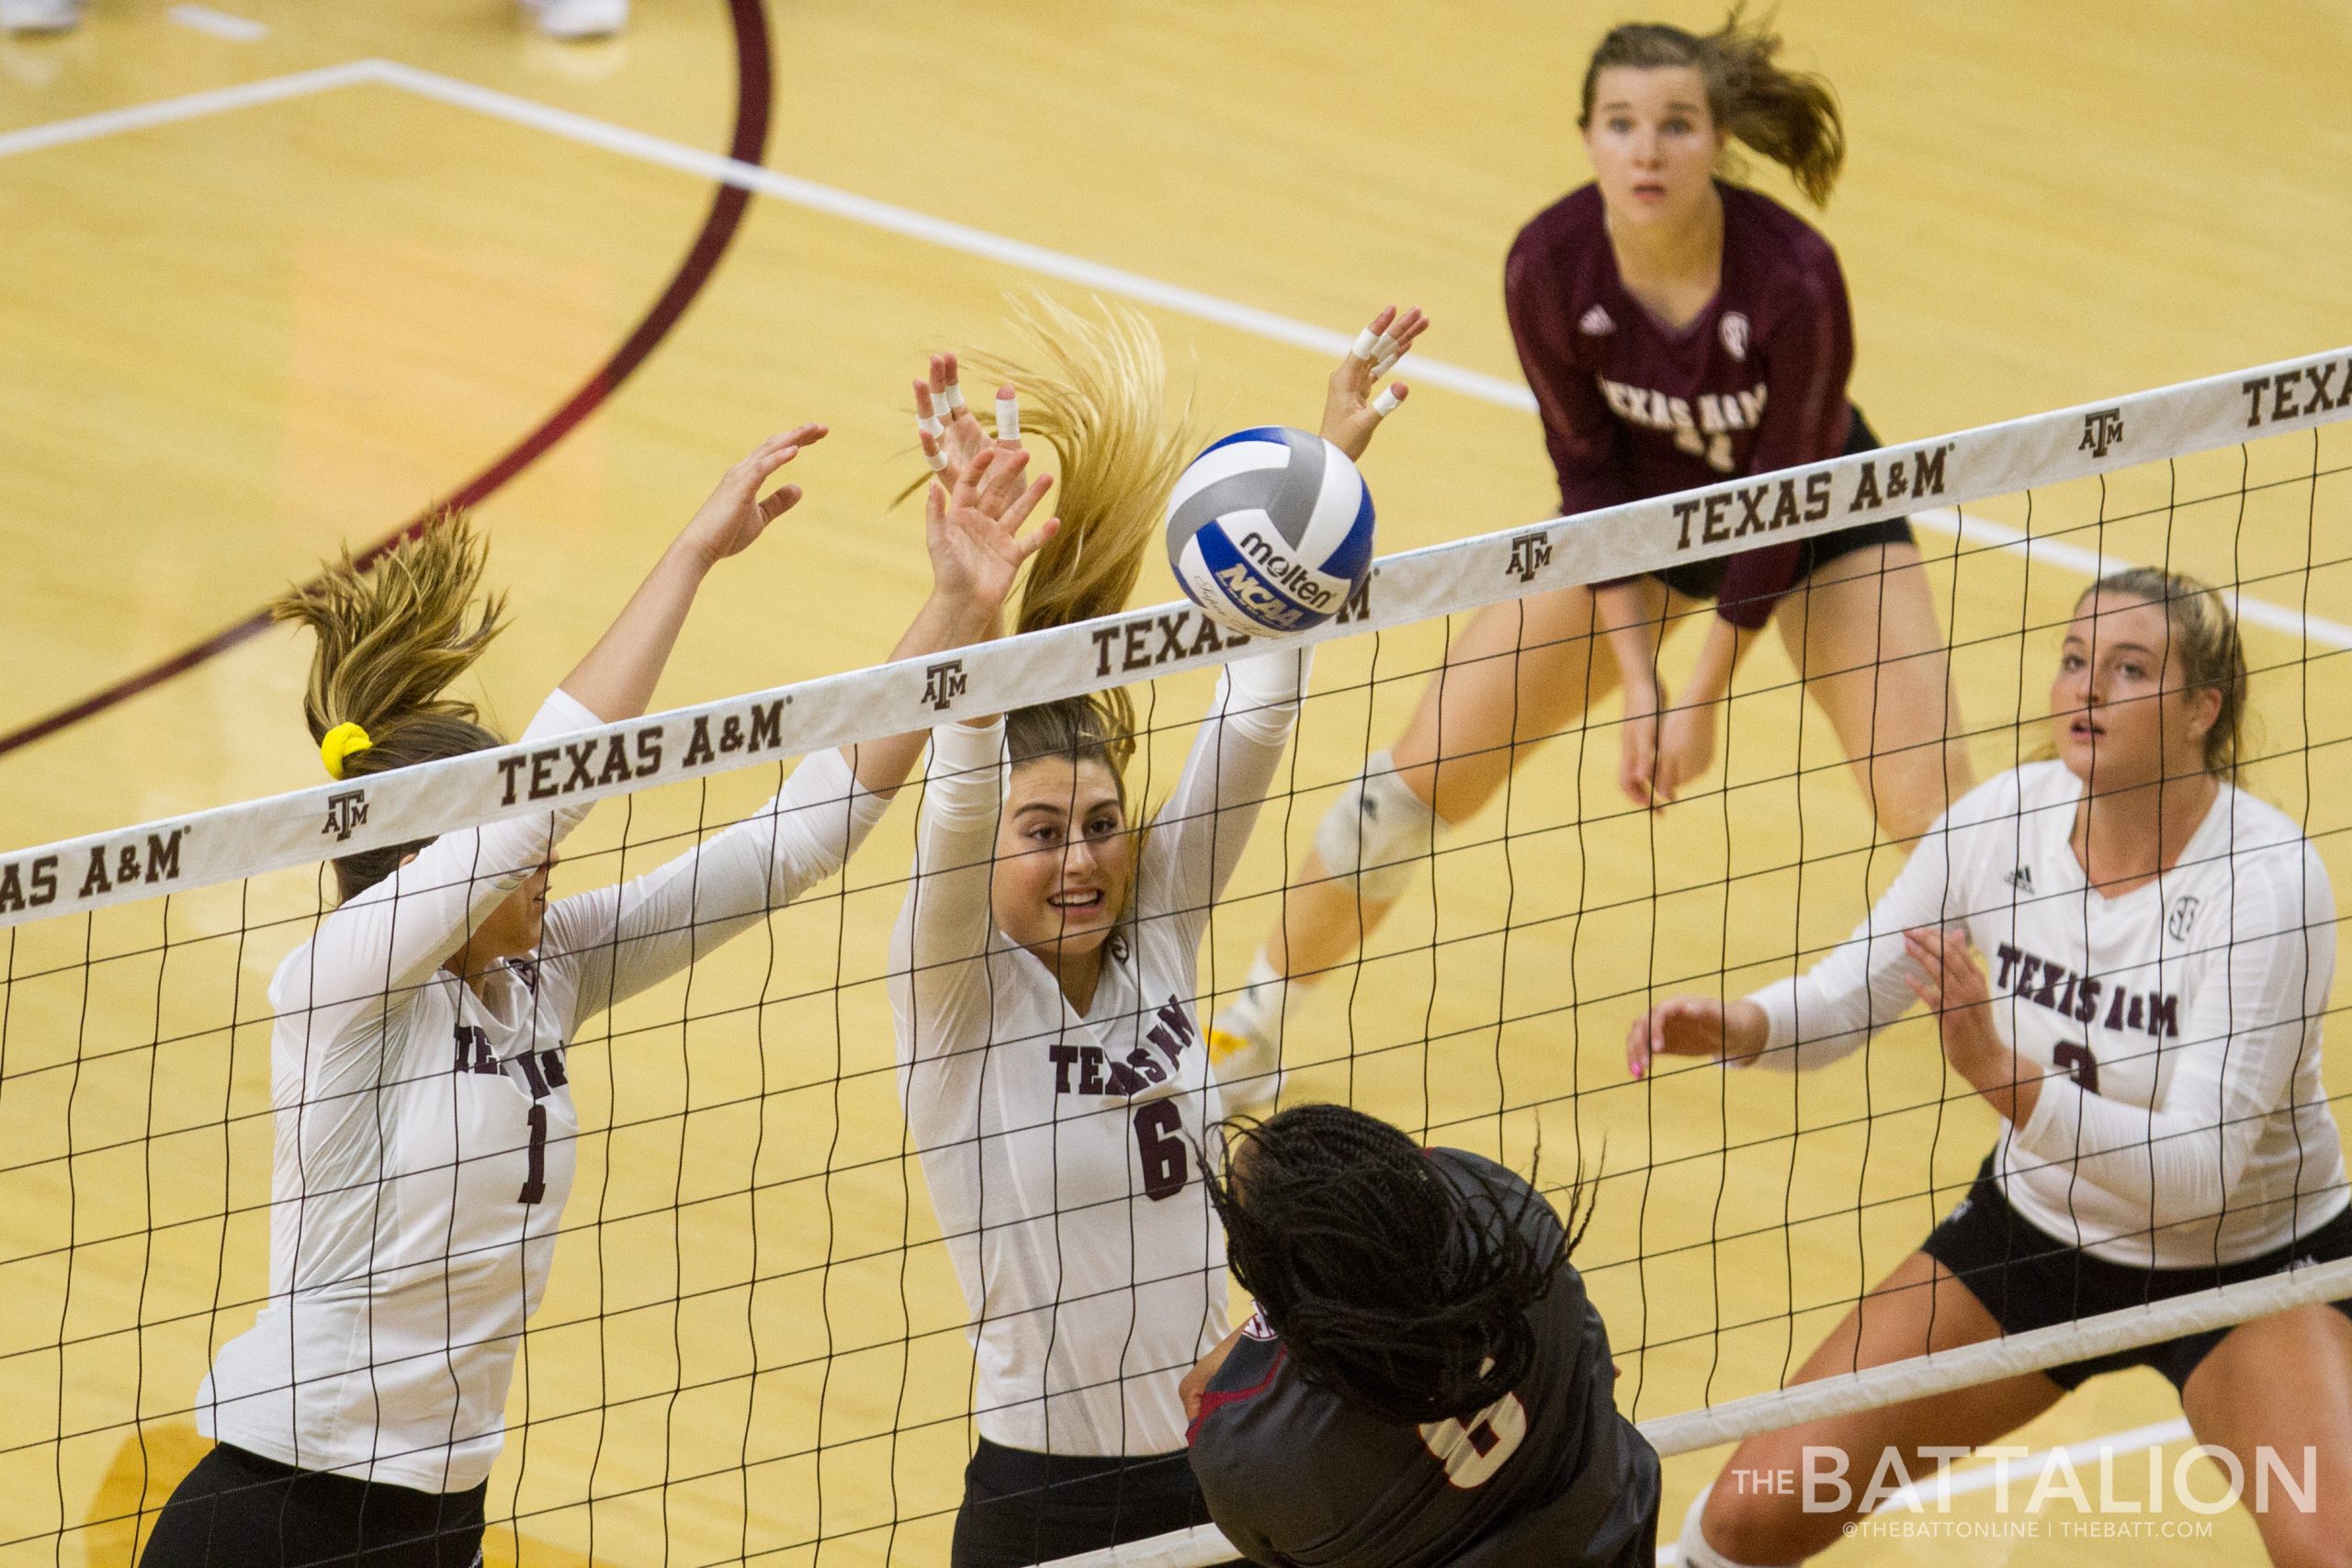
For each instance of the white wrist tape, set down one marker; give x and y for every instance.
(1376, 832)
(1386, 402)
(1008, 418)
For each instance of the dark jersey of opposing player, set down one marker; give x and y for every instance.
(1633, 407)
(1549, 1474)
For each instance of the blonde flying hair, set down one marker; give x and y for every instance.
(391, 641)
(1099, 397)
(1791, 117)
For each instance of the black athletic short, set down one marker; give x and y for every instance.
(237, 1509)
(2029, 1278)
(1704, 579)
(1023, 1507)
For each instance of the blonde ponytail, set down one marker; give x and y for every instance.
(391, 641)
(1100, 400)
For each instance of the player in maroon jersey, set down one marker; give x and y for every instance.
(1677, 329)
(1425, 1380)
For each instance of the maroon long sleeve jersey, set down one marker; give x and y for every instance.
(1633, 407)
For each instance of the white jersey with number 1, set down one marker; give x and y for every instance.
(1059, 1148)
(425, 1134)
(2185, 1122)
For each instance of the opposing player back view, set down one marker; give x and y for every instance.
(1418, 1320)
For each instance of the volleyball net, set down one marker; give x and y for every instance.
(755, 1346)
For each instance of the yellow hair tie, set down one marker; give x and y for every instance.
(345, 740)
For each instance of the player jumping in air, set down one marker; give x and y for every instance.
(1424, 1381)
(425, 1134)
(2128, 957)
(1677, 329)
(1043, 977)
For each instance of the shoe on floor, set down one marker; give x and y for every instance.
(39, 16)
(577, 18)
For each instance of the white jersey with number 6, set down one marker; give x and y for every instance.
(2185, 1121)
(425, 1134)
(1058, 1148)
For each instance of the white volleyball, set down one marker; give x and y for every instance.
(1270, 530)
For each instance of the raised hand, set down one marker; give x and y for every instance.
(1695, 1026)
(1350, 412)
(972, 530)
(735, 515)
(944, 424)
(1946, 976)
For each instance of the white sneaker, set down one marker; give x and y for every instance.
(577, 18)
(1245, 1041)
(41, 15)
(1248, 1071)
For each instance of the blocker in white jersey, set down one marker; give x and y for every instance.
(425, 1132)
(2184, 1122)
(2128, 958)
(424, 1123)
(1059, 1146)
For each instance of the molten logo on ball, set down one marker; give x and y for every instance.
(1269, 529)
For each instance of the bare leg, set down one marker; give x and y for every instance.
(1751, 1517)
(2283, 1384)
(1514, 678)
(1864, 631)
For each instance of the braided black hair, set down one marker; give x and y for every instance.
(1392, 1285)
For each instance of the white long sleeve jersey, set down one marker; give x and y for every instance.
(1059, 1150)
(2184, 1122)
(424, 1134)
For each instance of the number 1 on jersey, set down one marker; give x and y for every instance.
(534, 1184)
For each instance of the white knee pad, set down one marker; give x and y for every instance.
(1375, 831)
(1692, 1550)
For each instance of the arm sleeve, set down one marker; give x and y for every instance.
(1578, 430)
(627, 938)
(1198, 836)
(1806, 363)
(1857, 989)
(939, 981)
(379, 946)
(2252, 1005)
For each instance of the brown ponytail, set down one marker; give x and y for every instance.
(1787, 115)
(390, 640)
(1100, 403)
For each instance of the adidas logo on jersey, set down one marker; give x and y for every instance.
(1595, 322)
(2020, 880)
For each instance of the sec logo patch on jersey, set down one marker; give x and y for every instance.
(1257, 1327)
(1734, 334)
(2181, 919)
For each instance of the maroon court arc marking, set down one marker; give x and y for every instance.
(753, 108)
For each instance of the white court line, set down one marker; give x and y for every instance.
(1054, 264)
(220, 24)
(194, 105)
